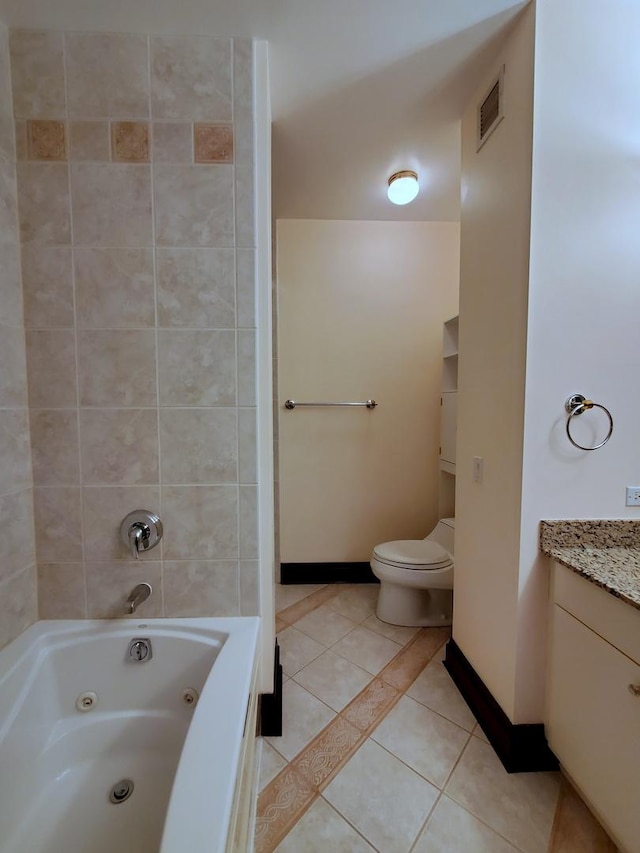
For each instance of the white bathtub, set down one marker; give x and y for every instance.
(58, 764)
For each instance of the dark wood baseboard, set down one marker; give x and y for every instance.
(521, 748)
(271, 703)
(326, 573)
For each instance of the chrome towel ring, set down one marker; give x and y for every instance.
(577, 404)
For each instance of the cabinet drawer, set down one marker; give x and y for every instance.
(593, 723)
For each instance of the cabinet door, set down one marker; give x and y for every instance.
(448, 418)
(593, 723)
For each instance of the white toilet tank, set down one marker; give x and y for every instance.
(443, 533)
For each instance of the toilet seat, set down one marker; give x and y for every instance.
(413, 554)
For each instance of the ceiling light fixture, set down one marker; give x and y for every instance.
(403, 187)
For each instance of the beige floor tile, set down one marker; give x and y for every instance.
(451, 829)
(322, 829)
(333, 679)
(325, 625)
(288, 594)
(297, 650)
(385, 800)
(367, 649)
(303, 716)
(435, 689)
(575, 829)
(424, 740)
(519, 806)
(357, 601)
(271, 763)
(479, 733)
(397, 633)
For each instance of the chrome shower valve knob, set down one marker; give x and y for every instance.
(140, 531)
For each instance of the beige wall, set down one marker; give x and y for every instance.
(18, 587)
(361, 307)
(496, 196)
(139, 303)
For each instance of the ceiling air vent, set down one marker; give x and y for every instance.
(490, 110)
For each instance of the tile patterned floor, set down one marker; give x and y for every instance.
(380, 752)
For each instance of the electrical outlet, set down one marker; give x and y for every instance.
(478, 464)
(633, 496)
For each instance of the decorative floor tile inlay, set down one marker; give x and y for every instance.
(213, 143)
(130, 141)
(325, 755)
(46, 140)
(371, 704)
(280, 805)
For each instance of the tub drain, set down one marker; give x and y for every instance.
(121, 791)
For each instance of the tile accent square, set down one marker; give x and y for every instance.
(361, 793)
(46, 140)
(213, 143)
(130, 141)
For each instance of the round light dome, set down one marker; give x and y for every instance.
(403, 187)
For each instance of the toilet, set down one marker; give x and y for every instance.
(416, 578)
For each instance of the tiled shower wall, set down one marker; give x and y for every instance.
(17, 552)
(135, 184)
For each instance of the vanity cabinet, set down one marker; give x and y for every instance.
(593, 700)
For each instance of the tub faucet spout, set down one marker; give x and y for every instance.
(137, 595)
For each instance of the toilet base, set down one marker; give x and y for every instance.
(401, 605)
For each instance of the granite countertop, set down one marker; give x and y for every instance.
(605, 552)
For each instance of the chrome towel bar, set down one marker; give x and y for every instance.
(291, 404)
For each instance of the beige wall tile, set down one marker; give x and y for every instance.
(119, 446)
(191, 78)
(109, 586)
(107, 75)
(43, 197)
(246, 289)
(21, 139)
(54, 442)
(46, 139)
(213, 143)
(15, 450)
(114, 288)
(8, 136)
(104, 508)
(8, 205)
(199, 446)
(246, 367)
(200, 522)
(194, 205)
(249, 588)
(48, 286)
(172, 142)
(13, 375)
(89, 140)
(201, 588)
(247, 453)
(11, 308)
(51, 359)
(37, 72)
(197, 368)
(117, 368)
(196, 288)
(61, 591)
(16, 532)
(111, 204)
(243, 100)
(130, 141)
(58, 524)
(18, 604)
(245, 228)
(248, 522)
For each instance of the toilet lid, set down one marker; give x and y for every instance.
(413, 554)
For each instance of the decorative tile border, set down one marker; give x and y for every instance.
(296, 611)
(46, 140)
(406, 666)
(280, 806)
(213, 143)
(130, 141)
(328, 752)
